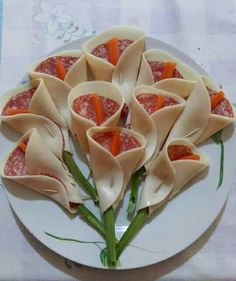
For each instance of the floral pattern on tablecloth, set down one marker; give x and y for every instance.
(55, 21)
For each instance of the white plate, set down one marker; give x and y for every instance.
(168, 232)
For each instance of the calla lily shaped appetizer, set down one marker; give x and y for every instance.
(206, 112)
(60, 73)
(34, 165)
(32, 98)
(24, 108)
(114, 55)
(178, 163)
(93, 104)
(157, 65)
(153, 113)
(114, 155)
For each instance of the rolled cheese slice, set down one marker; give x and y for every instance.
(221, 116)
(61, 72)
(34, 165)
(85, 99)
(157, 65)
(153, 113)
(178, 163)
(128, 43)
(55, 137)
(114, 155)
(179, 87)
(32, 97)
(200, 120)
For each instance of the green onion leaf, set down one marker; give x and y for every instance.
(136, 180)
(78, 175)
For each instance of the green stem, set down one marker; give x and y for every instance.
(108, 218)
(136, 180)
(78, 175)
(91, 218)
(131, 231)
(221, 175)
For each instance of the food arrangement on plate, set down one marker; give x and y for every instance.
(134, 116)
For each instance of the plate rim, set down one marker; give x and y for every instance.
(194, 64)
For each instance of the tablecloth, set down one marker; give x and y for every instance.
(206, 30)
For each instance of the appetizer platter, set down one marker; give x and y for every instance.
(118, 150)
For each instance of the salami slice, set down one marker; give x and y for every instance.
(127, 142)
(149, 102)
(124, 112)
(102, 52)
(84, 106)
(15, 165)
(19, 102)
(223, 108)
(176, 152)
(158, 68)
(49, 66)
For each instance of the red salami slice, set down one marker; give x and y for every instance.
(101, 50)
(73, 205)
(19, 101)
(124, 112)
(149, 101)
(49, 66)
(176, 152)
(157, 68)
(127, 142)
(15, 165)
(84, 106)
(223, 108)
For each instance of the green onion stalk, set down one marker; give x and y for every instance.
(78, 175)
(134, 227)
(109, 225)
(91, 219)
(136, 180)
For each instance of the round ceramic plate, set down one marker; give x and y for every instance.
(168, 232)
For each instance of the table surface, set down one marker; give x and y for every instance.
(206, 30)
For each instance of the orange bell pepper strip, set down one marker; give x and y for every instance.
(160, 102)
(115, 144)
(13, 111)
(216, 99)
(100, 115)
(61, 71)
(22, 146)
(168, 70)
(113, 50)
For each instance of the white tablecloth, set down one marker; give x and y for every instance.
(206, 30)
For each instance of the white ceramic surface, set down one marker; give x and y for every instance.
(168, 232)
